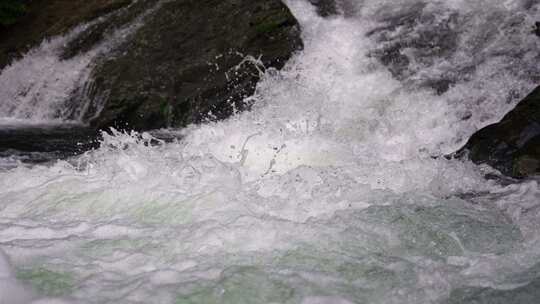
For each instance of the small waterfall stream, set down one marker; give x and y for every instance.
(45, 88)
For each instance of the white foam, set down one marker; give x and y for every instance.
(11, 292)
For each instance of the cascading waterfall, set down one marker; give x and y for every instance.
(332, 189)
(40, 87)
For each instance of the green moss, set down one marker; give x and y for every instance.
(47, 282)
(100, 248)
(241, 285)
(11, 11)
(267, 26)
(166, 112)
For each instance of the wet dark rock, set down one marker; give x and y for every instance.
(512, 145)
(325, 8)
(329, 8)
(38, 144)
(35, 144)
(186, 64)
(47, 18)
(11, 11)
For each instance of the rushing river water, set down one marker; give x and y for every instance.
(332, 190)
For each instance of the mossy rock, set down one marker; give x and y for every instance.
(183, 65)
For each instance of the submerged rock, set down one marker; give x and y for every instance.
(45, 143)
(329, 8)
(325, 8)
(187, 63)
(512, 145)
(48, 143)
(526, 294)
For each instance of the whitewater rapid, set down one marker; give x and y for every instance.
(333, 189)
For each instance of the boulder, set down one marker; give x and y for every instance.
(191, 61)
(512, 145)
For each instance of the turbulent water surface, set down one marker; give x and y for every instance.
(333, 189)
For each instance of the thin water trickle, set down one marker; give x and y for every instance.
(45, 88)
(331, 190)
